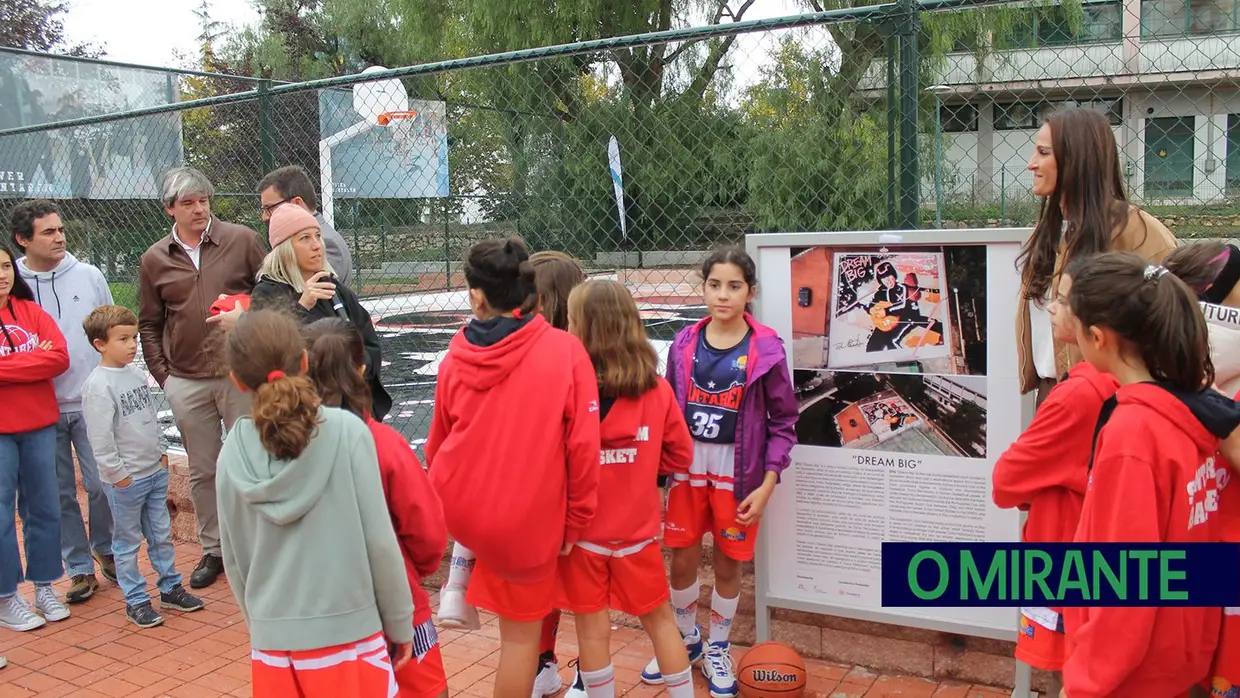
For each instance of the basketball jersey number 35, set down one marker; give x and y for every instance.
(715, 389)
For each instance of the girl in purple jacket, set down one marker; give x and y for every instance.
(730, 376)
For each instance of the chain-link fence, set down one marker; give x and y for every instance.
(885, 116)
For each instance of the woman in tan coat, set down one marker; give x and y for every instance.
(1085, 211)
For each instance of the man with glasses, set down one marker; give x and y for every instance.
(291, 185)
(69, 289)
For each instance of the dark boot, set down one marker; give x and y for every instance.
(207, 571)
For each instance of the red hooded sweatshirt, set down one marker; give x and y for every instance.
(642, 438)
(1154, 479)
(513, 447)
(417, 515)
(1046, 470)
(26, 371)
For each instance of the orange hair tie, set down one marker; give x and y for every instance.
(517, 313)
(274, 375)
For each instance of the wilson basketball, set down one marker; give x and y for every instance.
(771, 670)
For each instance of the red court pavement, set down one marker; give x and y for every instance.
(97, 652)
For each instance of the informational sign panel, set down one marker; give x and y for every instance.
(903, 357)
(407, 159)
(121, 159)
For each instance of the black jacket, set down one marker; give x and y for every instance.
(272, 294)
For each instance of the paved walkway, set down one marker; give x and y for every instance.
(97, 652)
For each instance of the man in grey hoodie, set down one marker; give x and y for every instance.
(69, 290)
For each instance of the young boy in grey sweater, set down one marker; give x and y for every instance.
(133, 462)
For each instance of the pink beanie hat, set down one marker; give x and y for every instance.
(287, 221)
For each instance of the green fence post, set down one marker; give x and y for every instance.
(447, 247)
(1002, 196)
(892, 109)
(266, 133)
(910, 180)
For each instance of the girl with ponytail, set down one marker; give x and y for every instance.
(513, 453)
(1212, 270)
(337, 356)
(556, 274)
(298, 483)
(1155, 475)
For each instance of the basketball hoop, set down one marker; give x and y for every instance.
(386, 117)
(401, 123)
(379, 103)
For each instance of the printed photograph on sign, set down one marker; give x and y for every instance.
(894, 412)
(121, 159)
(915, 310)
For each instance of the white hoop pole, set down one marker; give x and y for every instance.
(327, 187)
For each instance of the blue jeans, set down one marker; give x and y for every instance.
(28, 482)
(70, 437)
(141, 511)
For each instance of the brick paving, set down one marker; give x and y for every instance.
(97, 652)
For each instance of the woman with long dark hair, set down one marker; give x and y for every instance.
(32, 353)
(1085, 211)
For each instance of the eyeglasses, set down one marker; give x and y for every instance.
(268, 208)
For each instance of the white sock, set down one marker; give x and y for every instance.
(679, 685)
(601, 683)
(684, 603)
(461, 569)
(721, 613)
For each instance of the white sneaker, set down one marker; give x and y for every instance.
(46, 603)
(718, 670)
(578, 689)
(693, 643)
(16, 614)
(548, 682)
(455, 613)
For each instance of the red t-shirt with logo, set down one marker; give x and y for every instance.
(26, 389)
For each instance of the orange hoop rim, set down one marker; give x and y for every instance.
(389, 116)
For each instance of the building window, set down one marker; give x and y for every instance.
(1233, 153)
(958, 118)
(1169, 156)
(1055, 26)
(1173, 18)
(1031, 115)
(1017, 115)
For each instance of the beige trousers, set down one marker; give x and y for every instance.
(199, 407)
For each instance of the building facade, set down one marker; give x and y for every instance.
(1166, 73)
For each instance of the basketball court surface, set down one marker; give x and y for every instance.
(415, 330)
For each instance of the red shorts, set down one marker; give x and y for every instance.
(360, 669)
(692, 511)
(1224, 678)
(1041, 647)
(523, 603)
(594, 578)
(423, 675)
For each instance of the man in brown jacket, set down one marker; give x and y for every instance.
(179, 278)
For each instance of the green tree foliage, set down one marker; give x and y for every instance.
(37, 25)
(800, 149)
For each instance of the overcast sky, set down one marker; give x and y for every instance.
(168, 26)
(147, 32)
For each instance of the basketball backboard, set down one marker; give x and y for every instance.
(373, 99)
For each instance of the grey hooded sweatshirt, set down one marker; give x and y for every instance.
(69, 293)
(308, 543)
